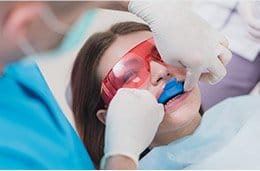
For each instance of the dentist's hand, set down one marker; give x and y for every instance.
(133, 118)
(250, 12)
(185, 39)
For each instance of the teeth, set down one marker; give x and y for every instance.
(171, 100)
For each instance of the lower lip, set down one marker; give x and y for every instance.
(175, 104)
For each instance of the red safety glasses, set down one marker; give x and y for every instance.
(131, 71)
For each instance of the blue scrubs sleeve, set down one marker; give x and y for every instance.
(34, 133)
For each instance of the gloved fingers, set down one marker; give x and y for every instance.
(172, 61)
(205, 77)
(223, 40)
(177, 63)
(145, 97)
(128, 91)
(149, 98)
(251, 19)
(216, 73)
(224, 54)
(137, 93)
(255, 32)
(254, 23)
(192, 78)
(161, 112)
(246, 10)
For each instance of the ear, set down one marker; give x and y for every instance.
(19, 18)
(101, 115)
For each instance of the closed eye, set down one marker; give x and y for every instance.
(129, 76)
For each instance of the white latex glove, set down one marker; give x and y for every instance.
(132, 120)
(185, 39)
(250, 12)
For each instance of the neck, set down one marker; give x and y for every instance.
(179, 133)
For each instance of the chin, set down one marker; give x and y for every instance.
(181, 119)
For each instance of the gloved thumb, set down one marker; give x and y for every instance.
(192, 78)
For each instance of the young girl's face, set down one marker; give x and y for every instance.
(179, 111)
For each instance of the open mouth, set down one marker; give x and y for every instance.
(172, 90)
(171, 99)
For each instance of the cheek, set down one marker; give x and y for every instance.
(183, 115)
(155, 90)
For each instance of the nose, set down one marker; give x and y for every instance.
(159, 73)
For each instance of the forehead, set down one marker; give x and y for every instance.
(118, 48)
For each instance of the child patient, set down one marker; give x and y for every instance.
(125, 56)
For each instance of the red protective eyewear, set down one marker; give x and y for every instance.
(131, 71)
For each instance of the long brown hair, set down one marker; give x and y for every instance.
(86, 86)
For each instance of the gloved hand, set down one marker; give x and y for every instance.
(250, 12)
(132, 120)
(185, 39)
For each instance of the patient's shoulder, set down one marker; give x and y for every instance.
(238, 104)
(234, 111)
